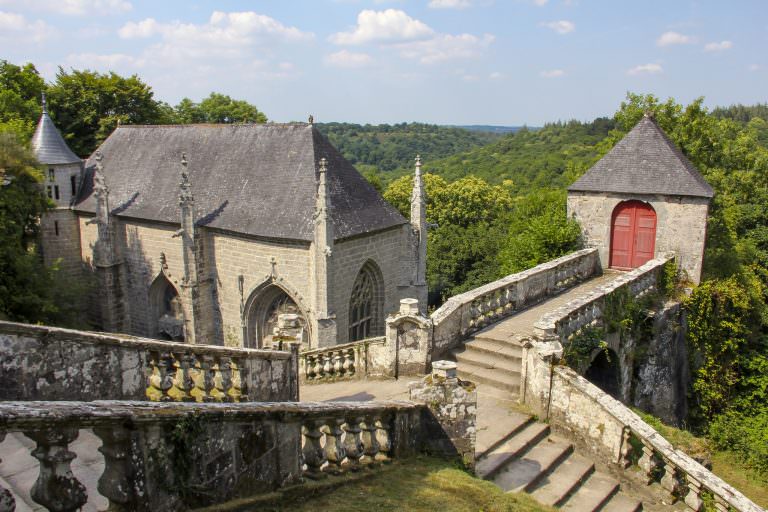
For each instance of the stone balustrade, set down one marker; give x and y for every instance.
(176, 456)
(48, 363)
(567, 320)
(600, 424)
(468, 312)
(355, 360)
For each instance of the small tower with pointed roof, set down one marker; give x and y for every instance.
(641, 200)
(63, 167)
(63, 170)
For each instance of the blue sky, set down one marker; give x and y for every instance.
(505, 62)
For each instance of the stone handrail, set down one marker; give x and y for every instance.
(468, 312)
(176, 456)
(344, 361)
(678, 474)
(50, 363)
(567, 320)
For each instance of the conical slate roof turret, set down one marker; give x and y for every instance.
(645, 161)
(49, 145)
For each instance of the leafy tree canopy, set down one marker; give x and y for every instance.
(216, 108)
(20, 93)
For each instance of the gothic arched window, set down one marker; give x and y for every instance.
(365, 304)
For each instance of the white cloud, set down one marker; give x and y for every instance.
(670, 38)
(540, 3)
(449, 4)
(445, 47)
(17, 28)
(718, 47)
(495, 75)
(73, 7)
(391, 25)
(552, 73)
(144, 28)
(754, 67)
(646, 69)
(107, 62)
(470, 78)
(560, 26)
(347, 59)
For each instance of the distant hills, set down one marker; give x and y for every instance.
(488, 128)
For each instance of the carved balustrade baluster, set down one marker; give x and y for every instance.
(154, 377)
(116, 482)
(385, 441)
(338, 366)
(218, 392)
(167, 375)
(353, 444)
(693, 498)
(670, 481)
(184, 382)
(313, 452)
(225, 369)
(56, 487)
(474, 314)
(334, 446)
(509, 305)
(499, 297)
(349, 361)
(721, 505)
(625, 454)
(648, 464)
(7, 503)
(309, 367)
(370, 441)
(327, 365)
(237, 391)
(207, 378)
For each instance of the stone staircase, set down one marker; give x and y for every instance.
(489, 361)
(531, 459)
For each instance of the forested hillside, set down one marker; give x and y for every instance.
(388, 147)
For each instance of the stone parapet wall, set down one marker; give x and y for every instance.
(610, 431)
(182, 456)
(468, 312)
(49, 363)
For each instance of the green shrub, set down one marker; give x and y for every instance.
(744, 434)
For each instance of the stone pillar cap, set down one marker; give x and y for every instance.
(444, 369)
(409, 306)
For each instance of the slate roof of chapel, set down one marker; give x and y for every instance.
(645, 161)
(254, 179)
(48, 144)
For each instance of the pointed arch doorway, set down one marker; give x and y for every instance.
(262, 311)
(633, 235)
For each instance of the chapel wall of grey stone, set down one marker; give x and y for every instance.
(386, 249)
(681, 225)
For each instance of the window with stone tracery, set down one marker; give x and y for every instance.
(365, 305)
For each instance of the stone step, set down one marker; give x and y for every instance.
(524, 472)
(486, 441)
(558, 486)
(595, 492)
(493, 377)
(486, 360)
(622, 503)
(494, 346)
(512, 447)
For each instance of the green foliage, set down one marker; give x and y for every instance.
(390, 147)
(87, 106)
(744, 433)
(578, 351)
(216, 108)
(20, 94)
(538, 231)
(529, 159)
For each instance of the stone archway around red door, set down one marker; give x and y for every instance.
(633, 234)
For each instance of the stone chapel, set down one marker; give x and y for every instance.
(642, 199)
(208, 233)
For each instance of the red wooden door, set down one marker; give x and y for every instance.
(633, 235)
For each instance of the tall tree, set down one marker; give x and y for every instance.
(218, 108)
(20, 90)
(87, 106)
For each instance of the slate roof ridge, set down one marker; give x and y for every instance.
(645, 161)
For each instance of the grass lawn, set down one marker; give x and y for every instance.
(418, 484)
(725, 464)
